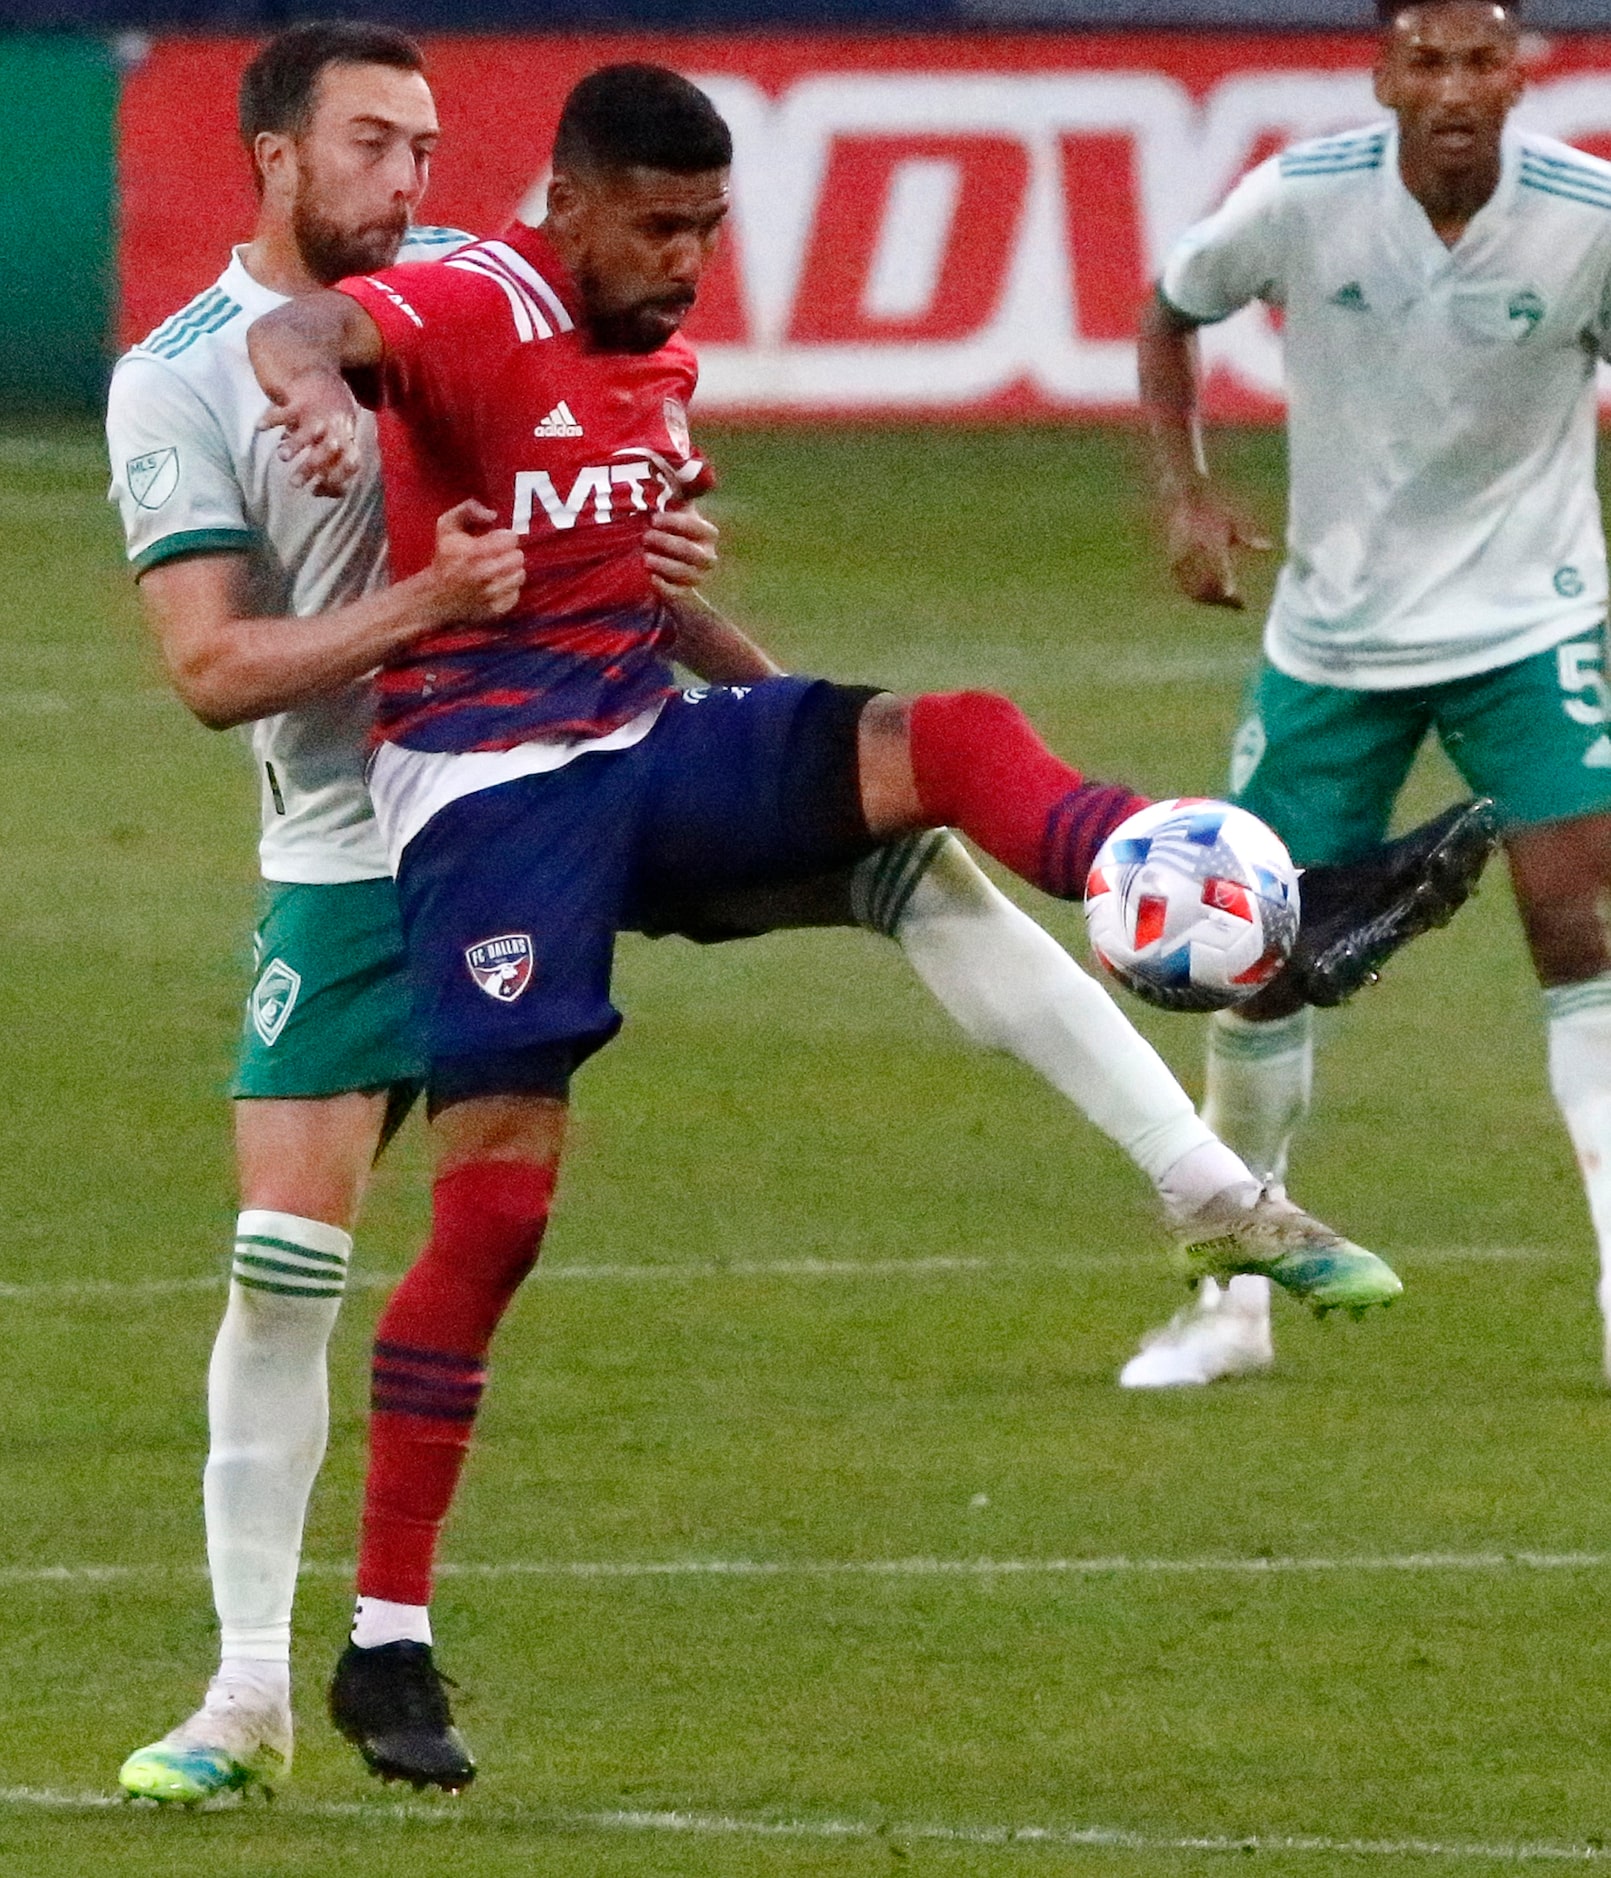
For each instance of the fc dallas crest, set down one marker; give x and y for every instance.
(501, 966)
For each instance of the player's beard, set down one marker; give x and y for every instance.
(630, 328)
(332, 250)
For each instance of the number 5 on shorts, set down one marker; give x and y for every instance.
(1580, 664)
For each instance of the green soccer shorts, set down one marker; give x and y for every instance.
(330, 1011)
(1323, 765)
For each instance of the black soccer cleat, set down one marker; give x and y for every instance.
(391, 1704)
(1356, 916)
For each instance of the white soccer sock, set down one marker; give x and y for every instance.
(1259, 1086)
(379, 1620)
(1580, 1075)
(1011, 986)
(250, 1679)
(268, 1414)
(1202, 1175)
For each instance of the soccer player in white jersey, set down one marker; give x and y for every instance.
(271, 605)
(1445, 285)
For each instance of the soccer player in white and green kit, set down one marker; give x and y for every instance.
(270, 605)
(1445, 285)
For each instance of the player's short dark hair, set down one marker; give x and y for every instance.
(641, 116)
(1388, 10)
(278, 87)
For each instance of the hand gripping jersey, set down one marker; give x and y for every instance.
(1443, 516)
(488, 389)
(192, 474)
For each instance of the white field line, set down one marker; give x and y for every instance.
(1116, 1566)
(553, 1274)
(469, 1814)
(604, 1272)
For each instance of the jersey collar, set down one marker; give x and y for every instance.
(246, 290)
(1417, 228)
(537, 251)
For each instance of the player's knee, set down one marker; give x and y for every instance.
(956, 737)
(971, 714)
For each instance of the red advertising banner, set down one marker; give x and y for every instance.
(922, 226)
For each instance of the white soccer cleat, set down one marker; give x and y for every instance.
(239, 1738)
(1204, 1343)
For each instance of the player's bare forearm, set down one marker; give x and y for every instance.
(230, 667)
(299, 352)
(323, 332)
(1201, 529)
(714, 649)
(1167, 365)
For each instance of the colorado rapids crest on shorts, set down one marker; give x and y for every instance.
(502, 966)
(273, 996)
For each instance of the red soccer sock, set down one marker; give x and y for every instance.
(430, 1364)
(980, 767)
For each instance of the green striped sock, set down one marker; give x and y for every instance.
(290, 1256)
(1259, 1086)
(883, 884)
(1568, 1000)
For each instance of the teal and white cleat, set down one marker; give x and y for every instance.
(1279, 1241)
(234, 1742)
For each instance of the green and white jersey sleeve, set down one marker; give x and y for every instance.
(1443, 518)
(192, 474)
(1233, 258)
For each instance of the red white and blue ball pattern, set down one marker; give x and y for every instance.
(1193, 904)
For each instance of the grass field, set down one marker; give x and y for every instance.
(827, 1295)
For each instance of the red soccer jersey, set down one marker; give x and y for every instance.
(489, 389)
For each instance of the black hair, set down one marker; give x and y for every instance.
(1387, 11)
(277, 88)
(628, 116)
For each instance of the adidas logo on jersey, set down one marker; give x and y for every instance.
(560, 422)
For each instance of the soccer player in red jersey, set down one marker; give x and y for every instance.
(542, 783)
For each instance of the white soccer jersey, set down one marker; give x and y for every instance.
(191, 473)
(1441, 405)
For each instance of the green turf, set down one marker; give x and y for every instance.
(800, 1099)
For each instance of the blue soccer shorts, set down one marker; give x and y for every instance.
(512, 897)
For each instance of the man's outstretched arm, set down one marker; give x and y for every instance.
(299, 353)
(230, 667)
(1200, 527)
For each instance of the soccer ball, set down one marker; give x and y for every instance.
(1193, 904)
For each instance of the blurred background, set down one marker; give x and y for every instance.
(943, 207)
